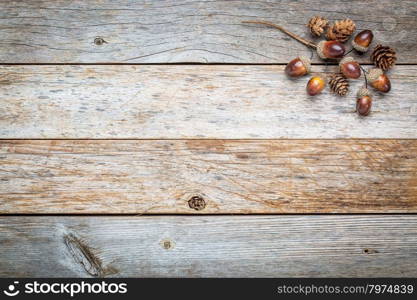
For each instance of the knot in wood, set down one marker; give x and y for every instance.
(197, 203)
(99, 41)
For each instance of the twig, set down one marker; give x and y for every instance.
(348, 51)
(364, 75)
(293, 35)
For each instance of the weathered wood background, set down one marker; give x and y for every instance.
(95, 133)
(251, 176)
(176, 246)
(63, 31)
(168, 102)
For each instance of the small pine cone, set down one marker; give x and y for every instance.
(317, 25)
(341, 30)
(339, 85)
(383, 57)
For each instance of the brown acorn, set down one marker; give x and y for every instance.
(350, 68)
(315, 85)
(330, 49)
(379, 80)
(363, 105)
(299, 66)
(363, 40)
(363, 102)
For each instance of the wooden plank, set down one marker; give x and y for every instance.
(230, 102)
(215, 246)
(270, 176)
(186, 31)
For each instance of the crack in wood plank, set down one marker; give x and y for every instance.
(86, 257)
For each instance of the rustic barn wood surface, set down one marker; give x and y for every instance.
(131, 31)
(176, 246)
(244, 176)
(166, 102)
(162, 139)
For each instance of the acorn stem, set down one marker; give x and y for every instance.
(364, 75)
(312, 54)
(293, 35)
(348, 51)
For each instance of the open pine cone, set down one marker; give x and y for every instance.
(317, 25)
(339, 84)
(341, 30)
(383, 57)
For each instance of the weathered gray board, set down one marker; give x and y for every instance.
(65, 31)
(230, 102)
(194, 246)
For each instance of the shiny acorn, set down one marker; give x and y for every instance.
(350, 68)
(363, 40)
(363, 102)
(298, 67)
(315, 85)
(379, 80)
(330, 49)
(363, 105)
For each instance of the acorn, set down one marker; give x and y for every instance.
(330, 49)
(363, 40)
(350, 68)
(379, 80)
(363, 102)
(315, 85)
(299, 66)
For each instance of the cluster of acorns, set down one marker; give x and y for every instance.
(333, 48)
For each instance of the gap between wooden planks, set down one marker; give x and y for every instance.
(182, 101)
(187, 31)
(209, 246)
(245, 176)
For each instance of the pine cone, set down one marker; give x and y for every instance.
(383, 57)
(339, 85)
(317, 25)
(341, 30)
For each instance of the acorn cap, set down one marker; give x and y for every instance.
(306, 62)
(363, 92)
(374, 74)
(359, 47)
(346, 59)
(320, 47)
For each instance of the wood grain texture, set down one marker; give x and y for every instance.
(215, 246)
(186, 31)
(158, 102)
(271, 176)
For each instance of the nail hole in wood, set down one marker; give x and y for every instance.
(370, 251)
(197, 203)
(99, 41)
(167, 244)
